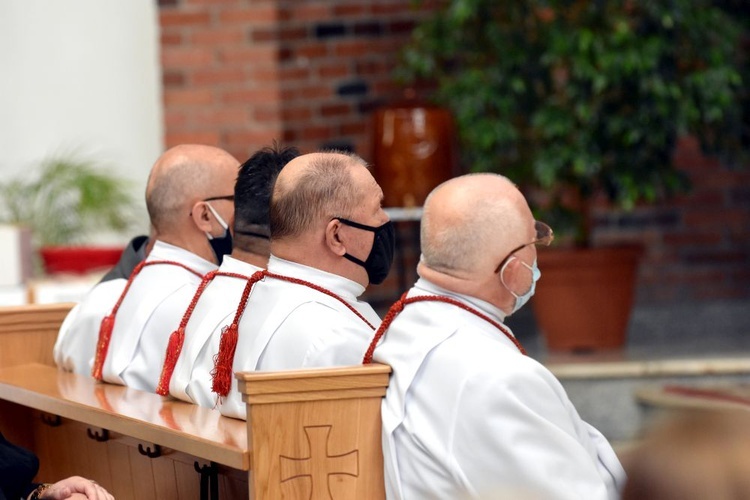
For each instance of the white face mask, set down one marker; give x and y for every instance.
(521, 300)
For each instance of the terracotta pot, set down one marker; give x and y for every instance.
(584, 297)
(79, 259)
(413, 151)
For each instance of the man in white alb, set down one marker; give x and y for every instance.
(467, 414)
(330, 238)
(189, 197)
(215, 302)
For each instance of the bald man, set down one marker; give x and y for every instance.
(189, 197)
(215, 302)
(330, 239)
(467, 414)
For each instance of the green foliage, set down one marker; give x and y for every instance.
(65, 201)
(582, 95)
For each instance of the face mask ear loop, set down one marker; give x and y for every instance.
(223, 224)
(502, 278)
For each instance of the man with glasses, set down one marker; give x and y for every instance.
(467, 413)
(189, 197)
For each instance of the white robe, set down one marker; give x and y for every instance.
(191, 381)
(75, 346)
(466, 415)
(287, 326)
(149, 313)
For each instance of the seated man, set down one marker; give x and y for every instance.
(214, 303)
(467, 414)
(190, 238)
(330, 238)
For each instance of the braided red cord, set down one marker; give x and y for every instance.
(403, 302)
(108, 322)
(321, 290)
(177, 338)
(222, 373)
(224, 359)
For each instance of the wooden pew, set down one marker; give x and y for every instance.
(312, 434)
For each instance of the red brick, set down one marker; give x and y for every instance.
(357, 9)
(315, 92)
(267, 76)
(252, 137)
(316, 132)
(356, 128)
(352, 48)
(221, 117)
(328, 110)
(211, 2)
(333, 71)
(217, 36)
(264, 35)
(296, 114)
(267, 115)
(303, 11)
(398, 7)
(218, 76)
(175, 138)
(293, 34)
(294, 73)
(183, 57)
(253, 55)
(693, 238)
(188, 97)
(173, 79)
(170, 38)
(311, 51)
(169, 18)
(251, 96)
(174, 120)
(266, 14)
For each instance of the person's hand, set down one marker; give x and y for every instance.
(76, 487)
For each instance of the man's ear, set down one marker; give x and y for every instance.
(332, 237)
(200, 216)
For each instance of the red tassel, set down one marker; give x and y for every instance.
(102, 345)
(222, 372)
(174, 348)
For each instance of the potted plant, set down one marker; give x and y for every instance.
(580, 101)
(64, 201)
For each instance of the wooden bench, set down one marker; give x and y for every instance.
(312, 434)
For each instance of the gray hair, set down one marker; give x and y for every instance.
(325, 190)
(460, 234)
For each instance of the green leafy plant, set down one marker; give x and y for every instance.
(573, 98)
(66, 200)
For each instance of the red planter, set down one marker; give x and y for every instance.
(584, 297)
(79, 259)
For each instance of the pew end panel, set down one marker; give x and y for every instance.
(28, 333)
(316, 433)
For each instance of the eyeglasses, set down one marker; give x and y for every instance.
(229, 197)
(544, 236)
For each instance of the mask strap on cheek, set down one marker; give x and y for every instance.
(221, 221)
(502, 278)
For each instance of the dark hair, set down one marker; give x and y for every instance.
(252, 192)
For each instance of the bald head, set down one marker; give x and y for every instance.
(470, 220)
(184, 175)
(314, 188)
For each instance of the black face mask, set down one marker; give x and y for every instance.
(221, 245)
(379, 261)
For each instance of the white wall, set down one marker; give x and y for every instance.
(81, 75)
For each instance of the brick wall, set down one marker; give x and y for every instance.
(241, 73)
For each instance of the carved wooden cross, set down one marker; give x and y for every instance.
(319, 464)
